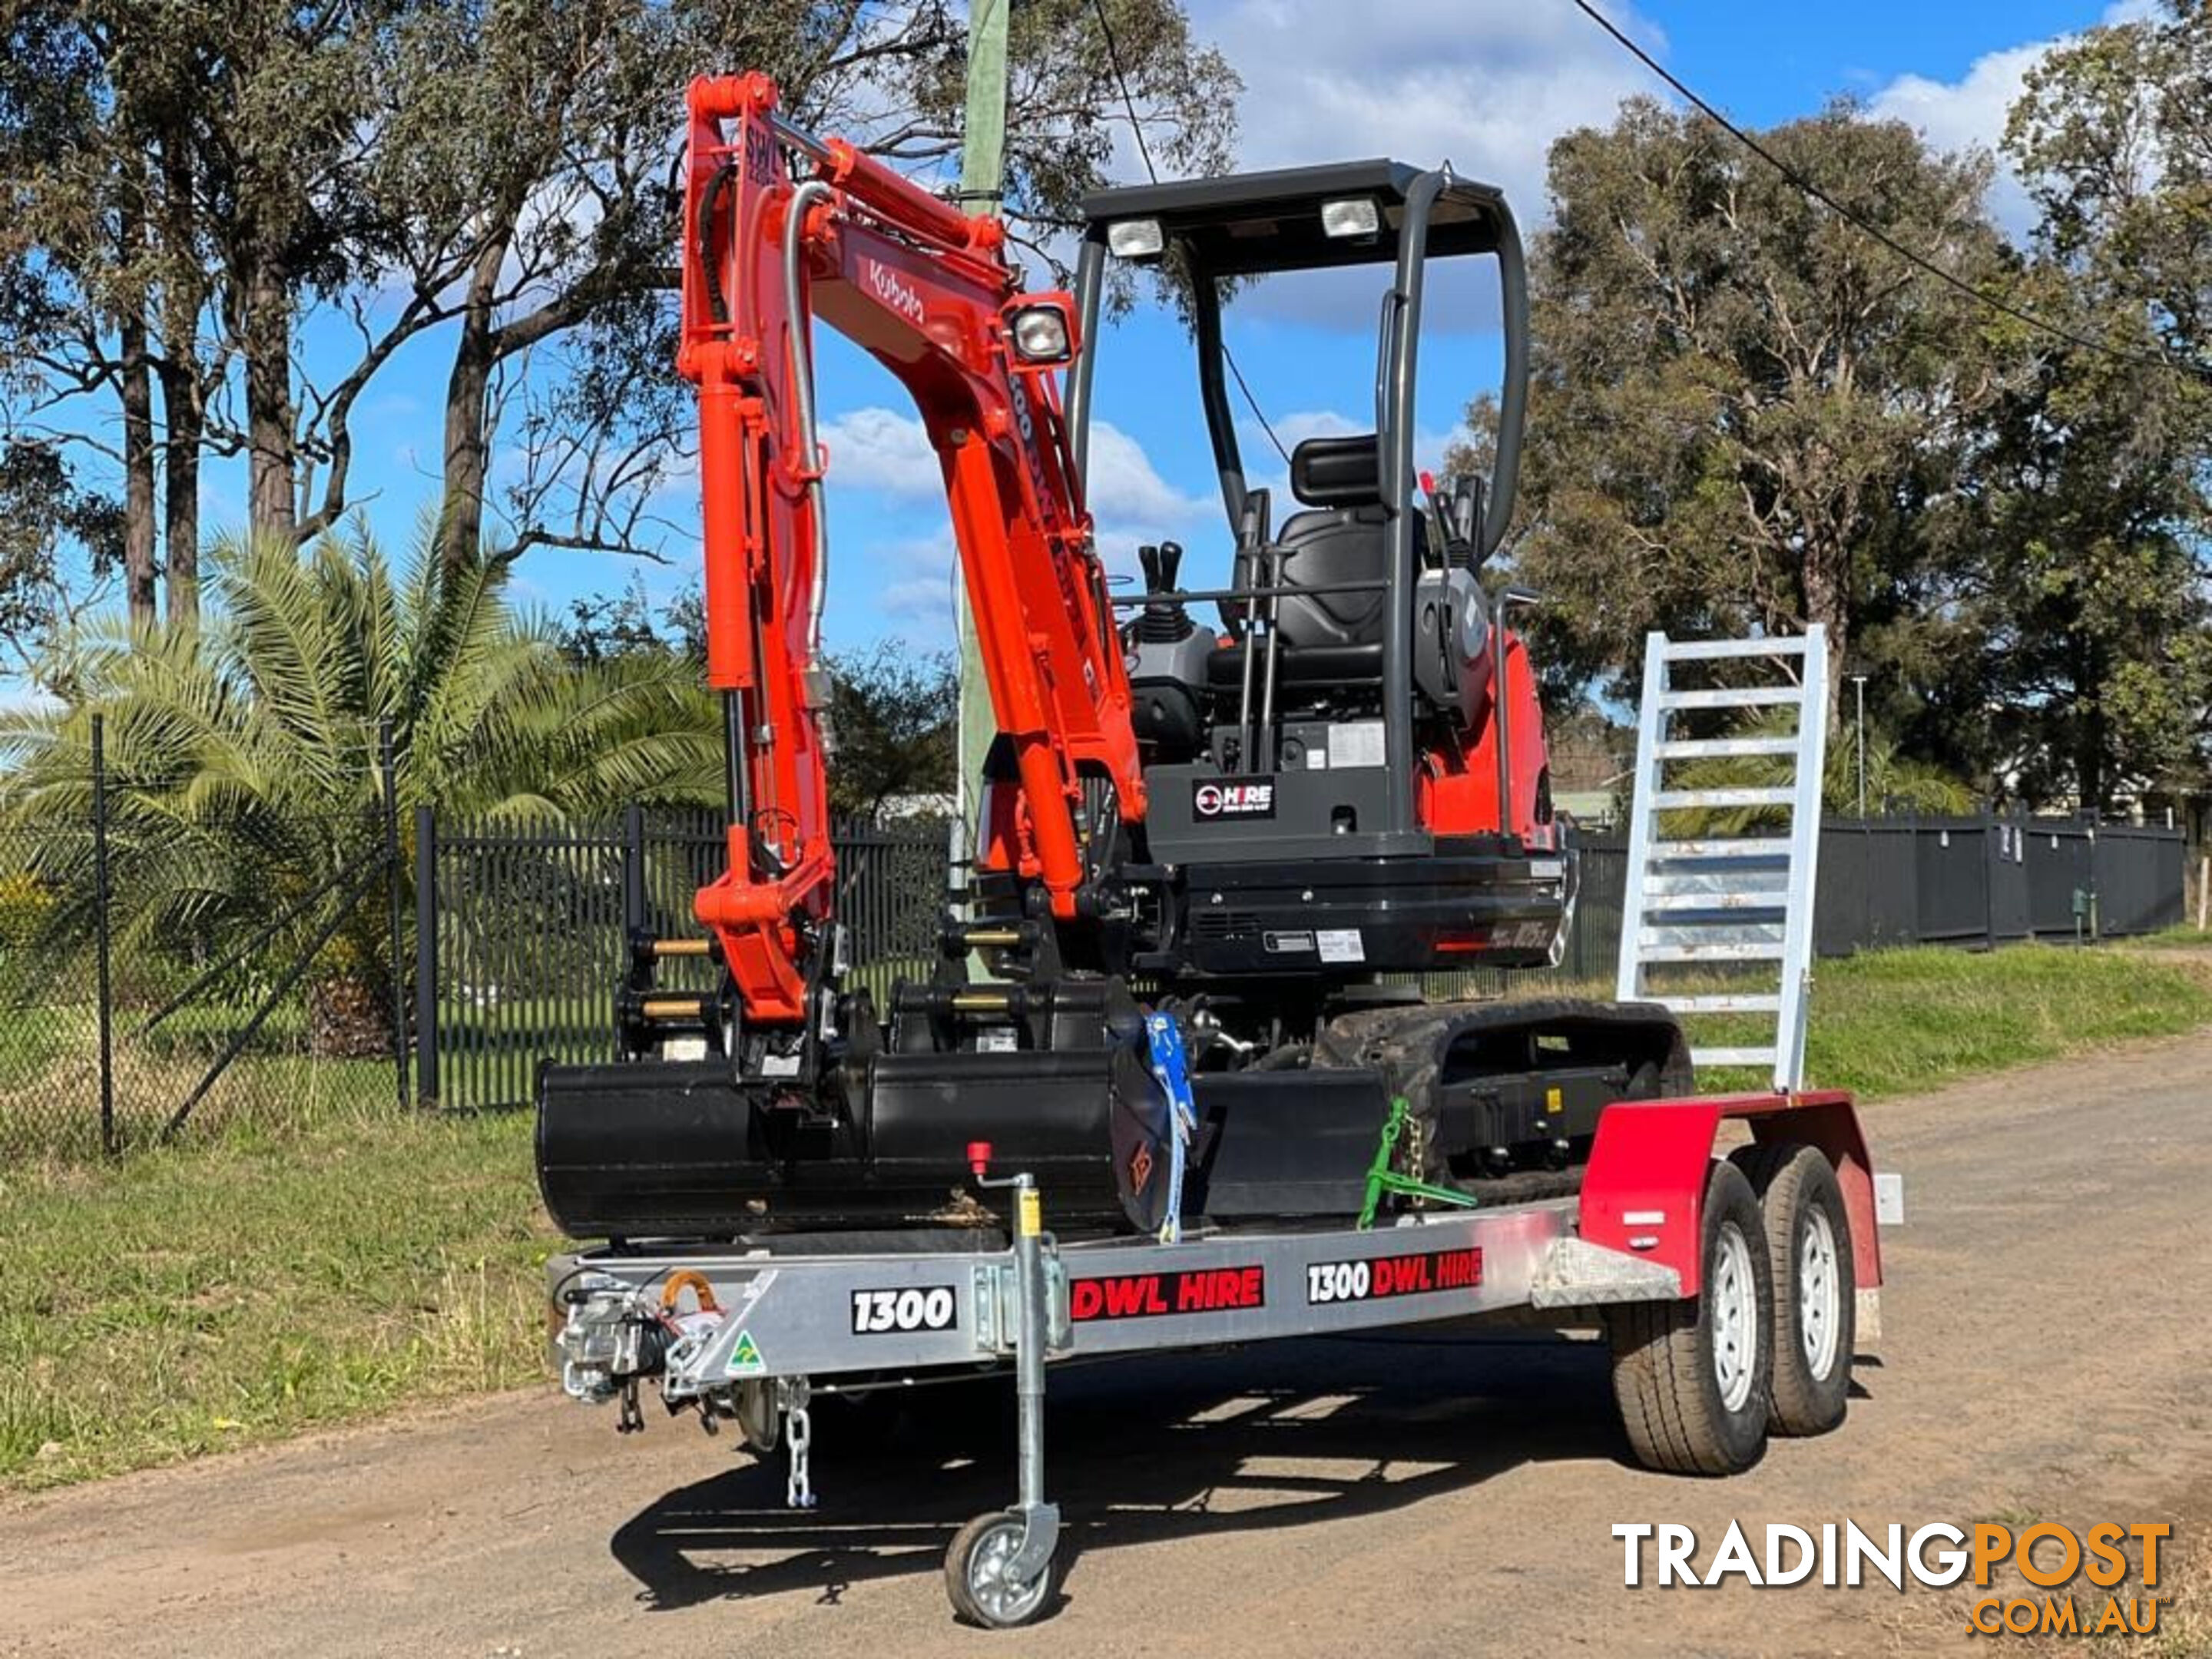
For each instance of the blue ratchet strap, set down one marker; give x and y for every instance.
(1169, 1066)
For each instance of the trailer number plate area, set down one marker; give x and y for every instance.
(1375, 1278)
(881, 1313)
(1149, 1296)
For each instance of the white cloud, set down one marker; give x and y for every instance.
(881, 449)
(1126, 487)
(1969, 112)
(1486, 88)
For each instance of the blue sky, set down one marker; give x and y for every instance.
(1486, 83)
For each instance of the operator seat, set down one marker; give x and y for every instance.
(1326, 642)
(1343, 536)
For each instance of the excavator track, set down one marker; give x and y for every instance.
(1506, 1092)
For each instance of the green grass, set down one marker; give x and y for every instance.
(221, 1294)
(1901, 1022)
(2182, 936)
(336, 1261)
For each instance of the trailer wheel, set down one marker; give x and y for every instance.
(975, 1574)
(1693, 1377)
(1808, 1243)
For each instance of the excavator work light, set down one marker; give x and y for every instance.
(1359, 216)
(1136, 238)
(1040, 334)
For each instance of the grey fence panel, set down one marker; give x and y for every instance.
(1952, 874)
(2058, 869)
(1594, 945)
(1869, 887)
(2008, 878)
(2137, 879)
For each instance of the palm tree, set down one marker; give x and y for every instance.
(242, 755)
(1895, 782)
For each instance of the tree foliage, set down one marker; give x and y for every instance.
(1745, 413)
(242, 751)
(895, 716)
(1749, 416)
(197, 192)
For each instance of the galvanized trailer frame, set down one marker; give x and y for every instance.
(774, 1321)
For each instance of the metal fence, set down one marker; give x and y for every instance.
(283, 999)
(1986, 881)
(522, 932)
(1968, 881)
(164, 968)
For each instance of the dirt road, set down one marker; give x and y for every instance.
(2046, 1355)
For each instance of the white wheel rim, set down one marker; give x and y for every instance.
(1004, 1599)
(1820, 1293)
(1735, 1318)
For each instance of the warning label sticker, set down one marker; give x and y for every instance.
(1378, 1277)
(1340, 944)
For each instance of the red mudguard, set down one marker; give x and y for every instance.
(1643, 1193)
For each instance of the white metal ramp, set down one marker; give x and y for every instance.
(1739, 902)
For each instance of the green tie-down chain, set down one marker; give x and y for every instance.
(1382, 1178)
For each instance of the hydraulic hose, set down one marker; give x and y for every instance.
(802, 376)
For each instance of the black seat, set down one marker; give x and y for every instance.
(1344, 537)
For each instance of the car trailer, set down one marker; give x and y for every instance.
(1734, 1291)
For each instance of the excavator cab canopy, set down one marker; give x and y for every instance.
(1210, 233)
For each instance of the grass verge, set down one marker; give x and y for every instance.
(1901, 1022)
(265, 1280)
(221, 1294)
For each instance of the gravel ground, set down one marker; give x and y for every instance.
(1448, 1496)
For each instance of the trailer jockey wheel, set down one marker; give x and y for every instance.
(1694, 1377)
(976, 1576)
(1808, 1243)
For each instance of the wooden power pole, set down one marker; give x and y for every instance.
(982, 187)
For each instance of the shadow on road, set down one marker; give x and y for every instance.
(1287, 1435)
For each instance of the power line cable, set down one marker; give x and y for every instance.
(1137, 127)
(1809, 187)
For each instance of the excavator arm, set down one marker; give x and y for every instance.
(782, 228)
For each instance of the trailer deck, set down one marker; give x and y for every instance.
(750, 1330)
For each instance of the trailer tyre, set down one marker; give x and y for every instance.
(976, 1579)
(1808, 1243)
(1693, 1377)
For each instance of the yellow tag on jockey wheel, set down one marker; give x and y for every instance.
(1032, 1214)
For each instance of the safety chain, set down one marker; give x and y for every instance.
(799, 1438)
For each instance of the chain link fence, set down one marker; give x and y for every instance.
(164, 972)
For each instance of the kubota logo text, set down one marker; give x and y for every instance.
(894, 290)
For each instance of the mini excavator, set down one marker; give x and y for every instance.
(1223, 836)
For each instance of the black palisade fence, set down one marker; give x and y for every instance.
(522, 932)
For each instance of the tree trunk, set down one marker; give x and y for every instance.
(348, 1018)
(271, 508)
(137, 394)
(2088, 726)
(185, 416)
(468, 390)
(183, 391)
